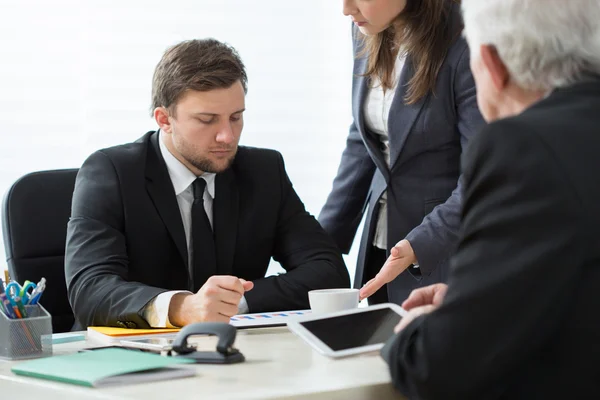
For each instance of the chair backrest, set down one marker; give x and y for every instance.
(35, 214)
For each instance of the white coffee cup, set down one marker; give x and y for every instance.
(330, 300)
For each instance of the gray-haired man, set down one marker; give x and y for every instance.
(519, 318)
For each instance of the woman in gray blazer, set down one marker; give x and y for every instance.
(414, 108)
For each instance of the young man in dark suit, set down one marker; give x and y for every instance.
(520, 316)
(180, 226)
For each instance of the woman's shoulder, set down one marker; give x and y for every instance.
(458, 44)
(458, 48)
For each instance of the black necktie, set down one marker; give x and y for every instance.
(204, 259)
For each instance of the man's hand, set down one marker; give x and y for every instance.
(216, 301)
(412, 314)
(428, 295)
(422, 301)
(401, 257)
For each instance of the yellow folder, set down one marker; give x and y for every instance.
(108, 333)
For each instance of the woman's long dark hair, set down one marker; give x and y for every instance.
(422, 30)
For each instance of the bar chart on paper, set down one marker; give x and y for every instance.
(278, 318)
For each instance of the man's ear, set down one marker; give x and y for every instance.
(161, 116)
(495, 66)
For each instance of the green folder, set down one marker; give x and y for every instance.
(104, 367)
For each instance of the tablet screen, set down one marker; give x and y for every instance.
(355, 330)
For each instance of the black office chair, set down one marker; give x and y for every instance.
(35, 213)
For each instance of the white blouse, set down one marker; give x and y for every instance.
(376, 112)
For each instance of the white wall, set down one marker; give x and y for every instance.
(75, 76)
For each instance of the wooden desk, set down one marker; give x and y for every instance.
(278, 365)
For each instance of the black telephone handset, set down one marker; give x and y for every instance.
(225, 353)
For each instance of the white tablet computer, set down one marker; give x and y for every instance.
(349, 332)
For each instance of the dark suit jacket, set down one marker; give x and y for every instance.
(126, 243)
(521, 317)
(423, 189)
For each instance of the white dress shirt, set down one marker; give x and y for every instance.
(376, 112)
(156, 312)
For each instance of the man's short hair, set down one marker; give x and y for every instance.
(199, 64)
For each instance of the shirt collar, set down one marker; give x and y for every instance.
(180, 175)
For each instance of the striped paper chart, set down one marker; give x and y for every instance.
(266, 319)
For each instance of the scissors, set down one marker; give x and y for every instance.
(13, 289)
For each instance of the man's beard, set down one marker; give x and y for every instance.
(206, 165)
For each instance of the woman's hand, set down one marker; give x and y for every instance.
(402, 256)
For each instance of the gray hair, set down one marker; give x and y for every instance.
(544, 44)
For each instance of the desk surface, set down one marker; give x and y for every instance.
(278, 365)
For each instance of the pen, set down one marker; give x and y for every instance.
(8, 309)
(13, 305)
(1, 286)
(34, 298)
(6, 277)
(20, 307)
(4, 309)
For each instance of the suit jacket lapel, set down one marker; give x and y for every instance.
(225, 220)
(160, 189)
(371, 141)
(402, 116)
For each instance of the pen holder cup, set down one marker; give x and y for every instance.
(29, 337)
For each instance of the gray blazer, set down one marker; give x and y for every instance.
(423, 183)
